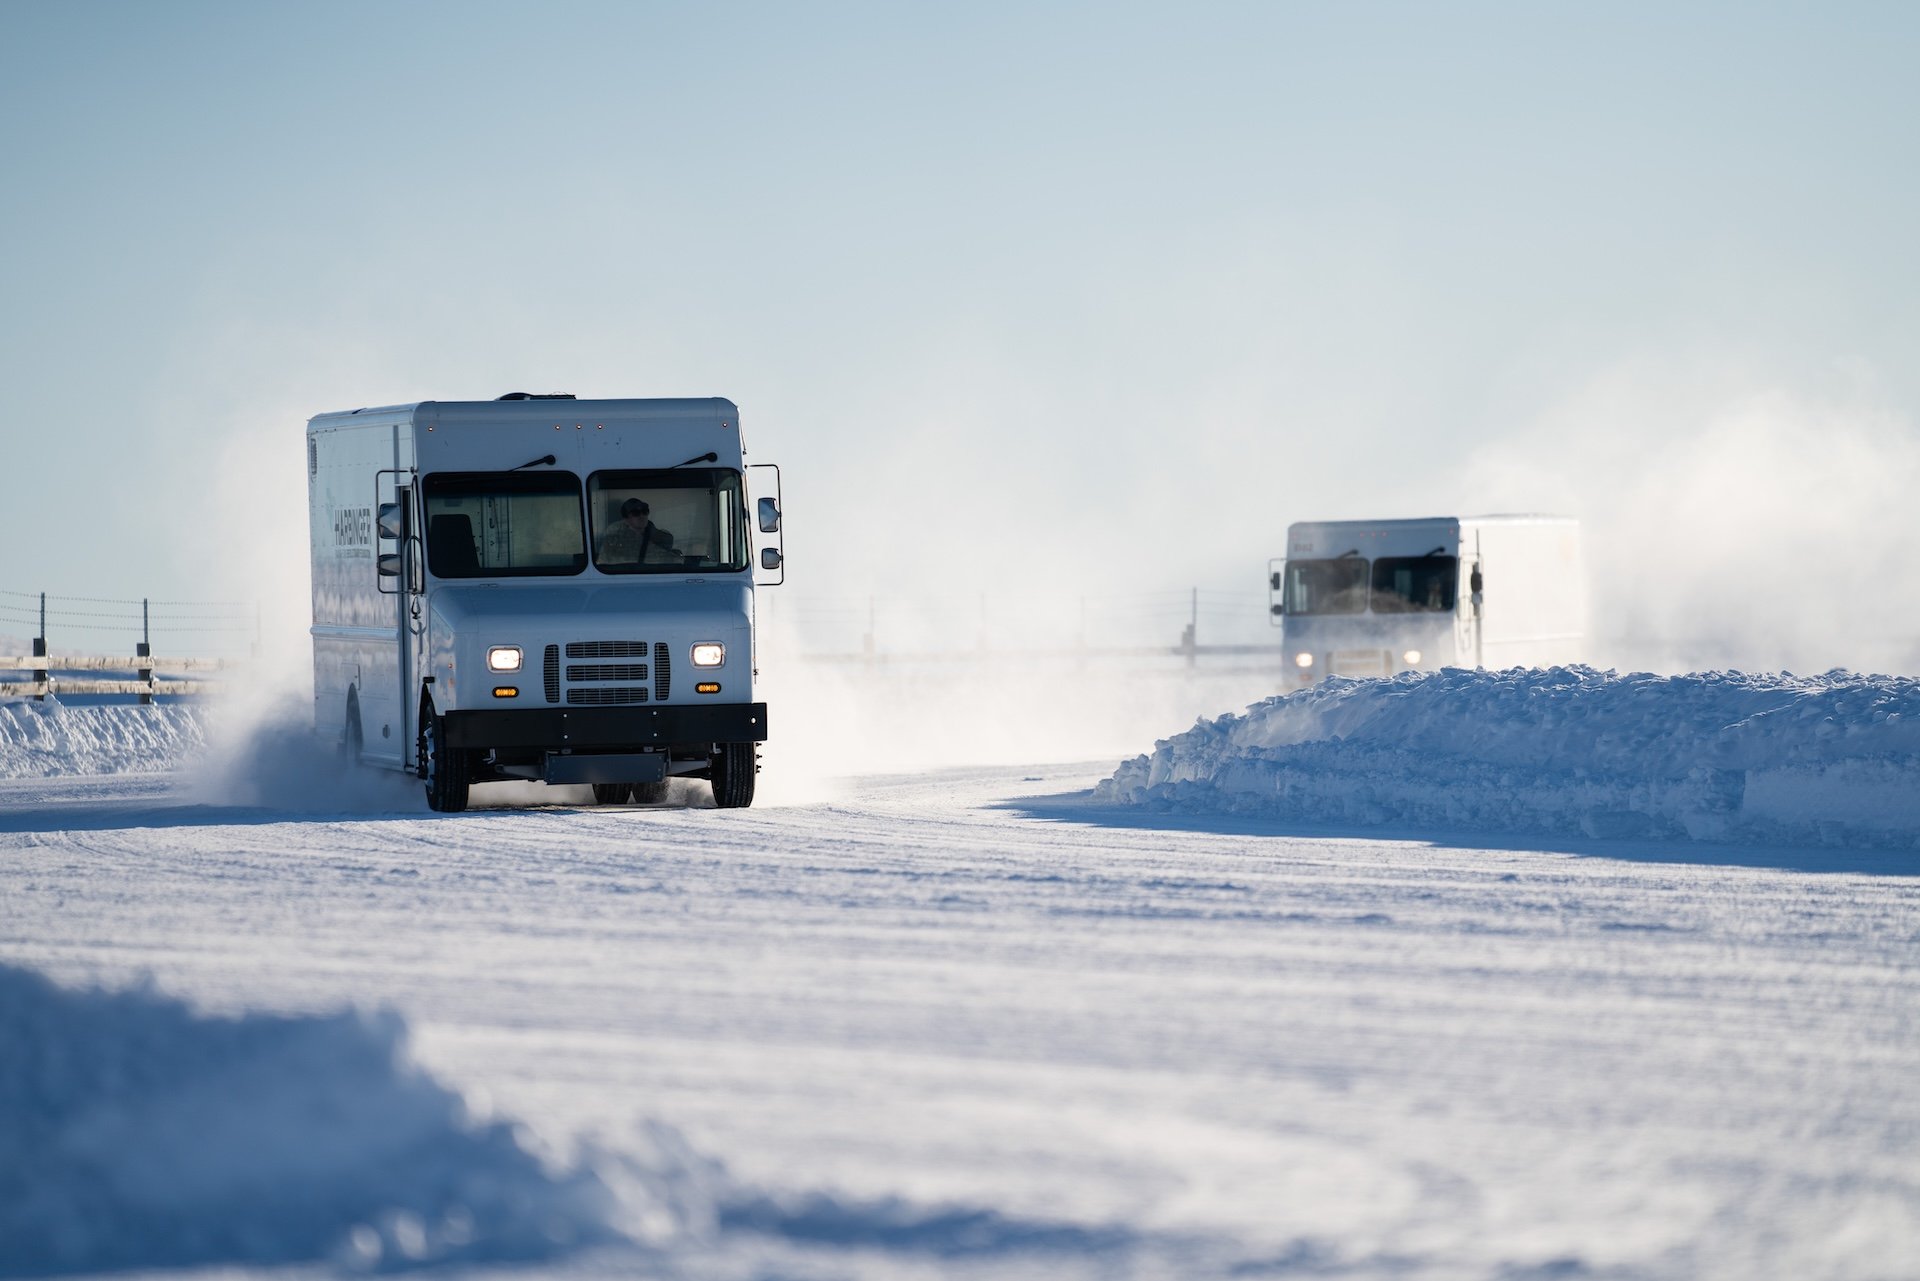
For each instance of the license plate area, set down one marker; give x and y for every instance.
(606, 767)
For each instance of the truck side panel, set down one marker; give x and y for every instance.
(357, 629)
(1534, 613)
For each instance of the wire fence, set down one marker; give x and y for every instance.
(79, 624)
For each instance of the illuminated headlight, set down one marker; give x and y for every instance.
(1411, 657)
(709, 654)
(503, 658)
(1303, 660)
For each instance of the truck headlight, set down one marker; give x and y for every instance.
(1411, 658)
(709, 654)
(1303, 660)
(503, 658)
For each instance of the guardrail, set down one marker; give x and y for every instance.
(47, 675)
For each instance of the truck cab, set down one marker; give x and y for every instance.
(1375, 598)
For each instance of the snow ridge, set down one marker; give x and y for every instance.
(40, 740)
(136, 1133)
(1714, 756)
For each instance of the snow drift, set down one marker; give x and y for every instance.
(1718, 756)
(136, 1133)
(39, 740)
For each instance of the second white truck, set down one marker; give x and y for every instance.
(1376, 597)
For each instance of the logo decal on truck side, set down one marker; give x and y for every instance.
(353, 531)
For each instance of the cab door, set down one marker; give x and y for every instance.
(401, 571)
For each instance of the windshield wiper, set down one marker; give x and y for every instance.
(708, 457)
(548, 461)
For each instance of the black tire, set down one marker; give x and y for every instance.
(352, 739)
(446, 771)
(650, 793)
(611, 793)
(732, 771)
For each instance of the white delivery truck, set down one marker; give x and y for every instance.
(1375, 597)
(541, 588)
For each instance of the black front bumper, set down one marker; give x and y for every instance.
(600, 729)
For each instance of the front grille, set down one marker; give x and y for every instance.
(607, 695)
(1360, 662)
(607, 683)
(607, 649)
(606, 671)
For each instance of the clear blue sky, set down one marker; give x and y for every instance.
(1110, 292)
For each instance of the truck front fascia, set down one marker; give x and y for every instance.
(597, 729)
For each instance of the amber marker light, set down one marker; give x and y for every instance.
(707, 687)
(506, 691)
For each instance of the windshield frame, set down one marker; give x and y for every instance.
(495, 484)
(608, 488)
(1356, 592)
(1447, 575)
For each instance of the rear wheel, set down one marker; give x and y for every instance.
(446, 771)
(352, 740)
(732, 771)
(611, 793)
(650, 793)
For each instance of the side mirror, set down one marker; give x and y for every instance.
(769, 556)
(769, 518)
(1475, 583)
(392, 520)
(388, 565)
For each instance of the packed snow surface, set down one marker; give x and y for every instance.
(1719, 756)
(1233, 1012)
(967, 1024)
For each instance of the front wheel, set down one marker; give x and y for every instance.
(732, 771)
(446, 771)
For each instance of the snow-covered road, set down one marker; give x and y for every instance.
(972, 1023)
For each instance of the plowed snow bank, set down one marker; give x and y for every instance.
(1713, 756)
(40, 740)
(135, 1133)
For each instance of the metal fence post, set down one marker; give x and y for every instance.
(39, 670)
(1190, 640)
(145, 650)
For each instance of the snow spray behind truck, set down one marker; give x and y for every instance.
(1375, 597)
(541, 588)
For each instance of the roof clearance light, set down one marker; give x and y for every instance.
(1303, 660)
(504, 658)
(709, 654)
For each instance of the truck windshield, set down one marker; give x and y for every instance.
(502, 524)
(1327, 586)
(668, 521)
(1414, 584)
